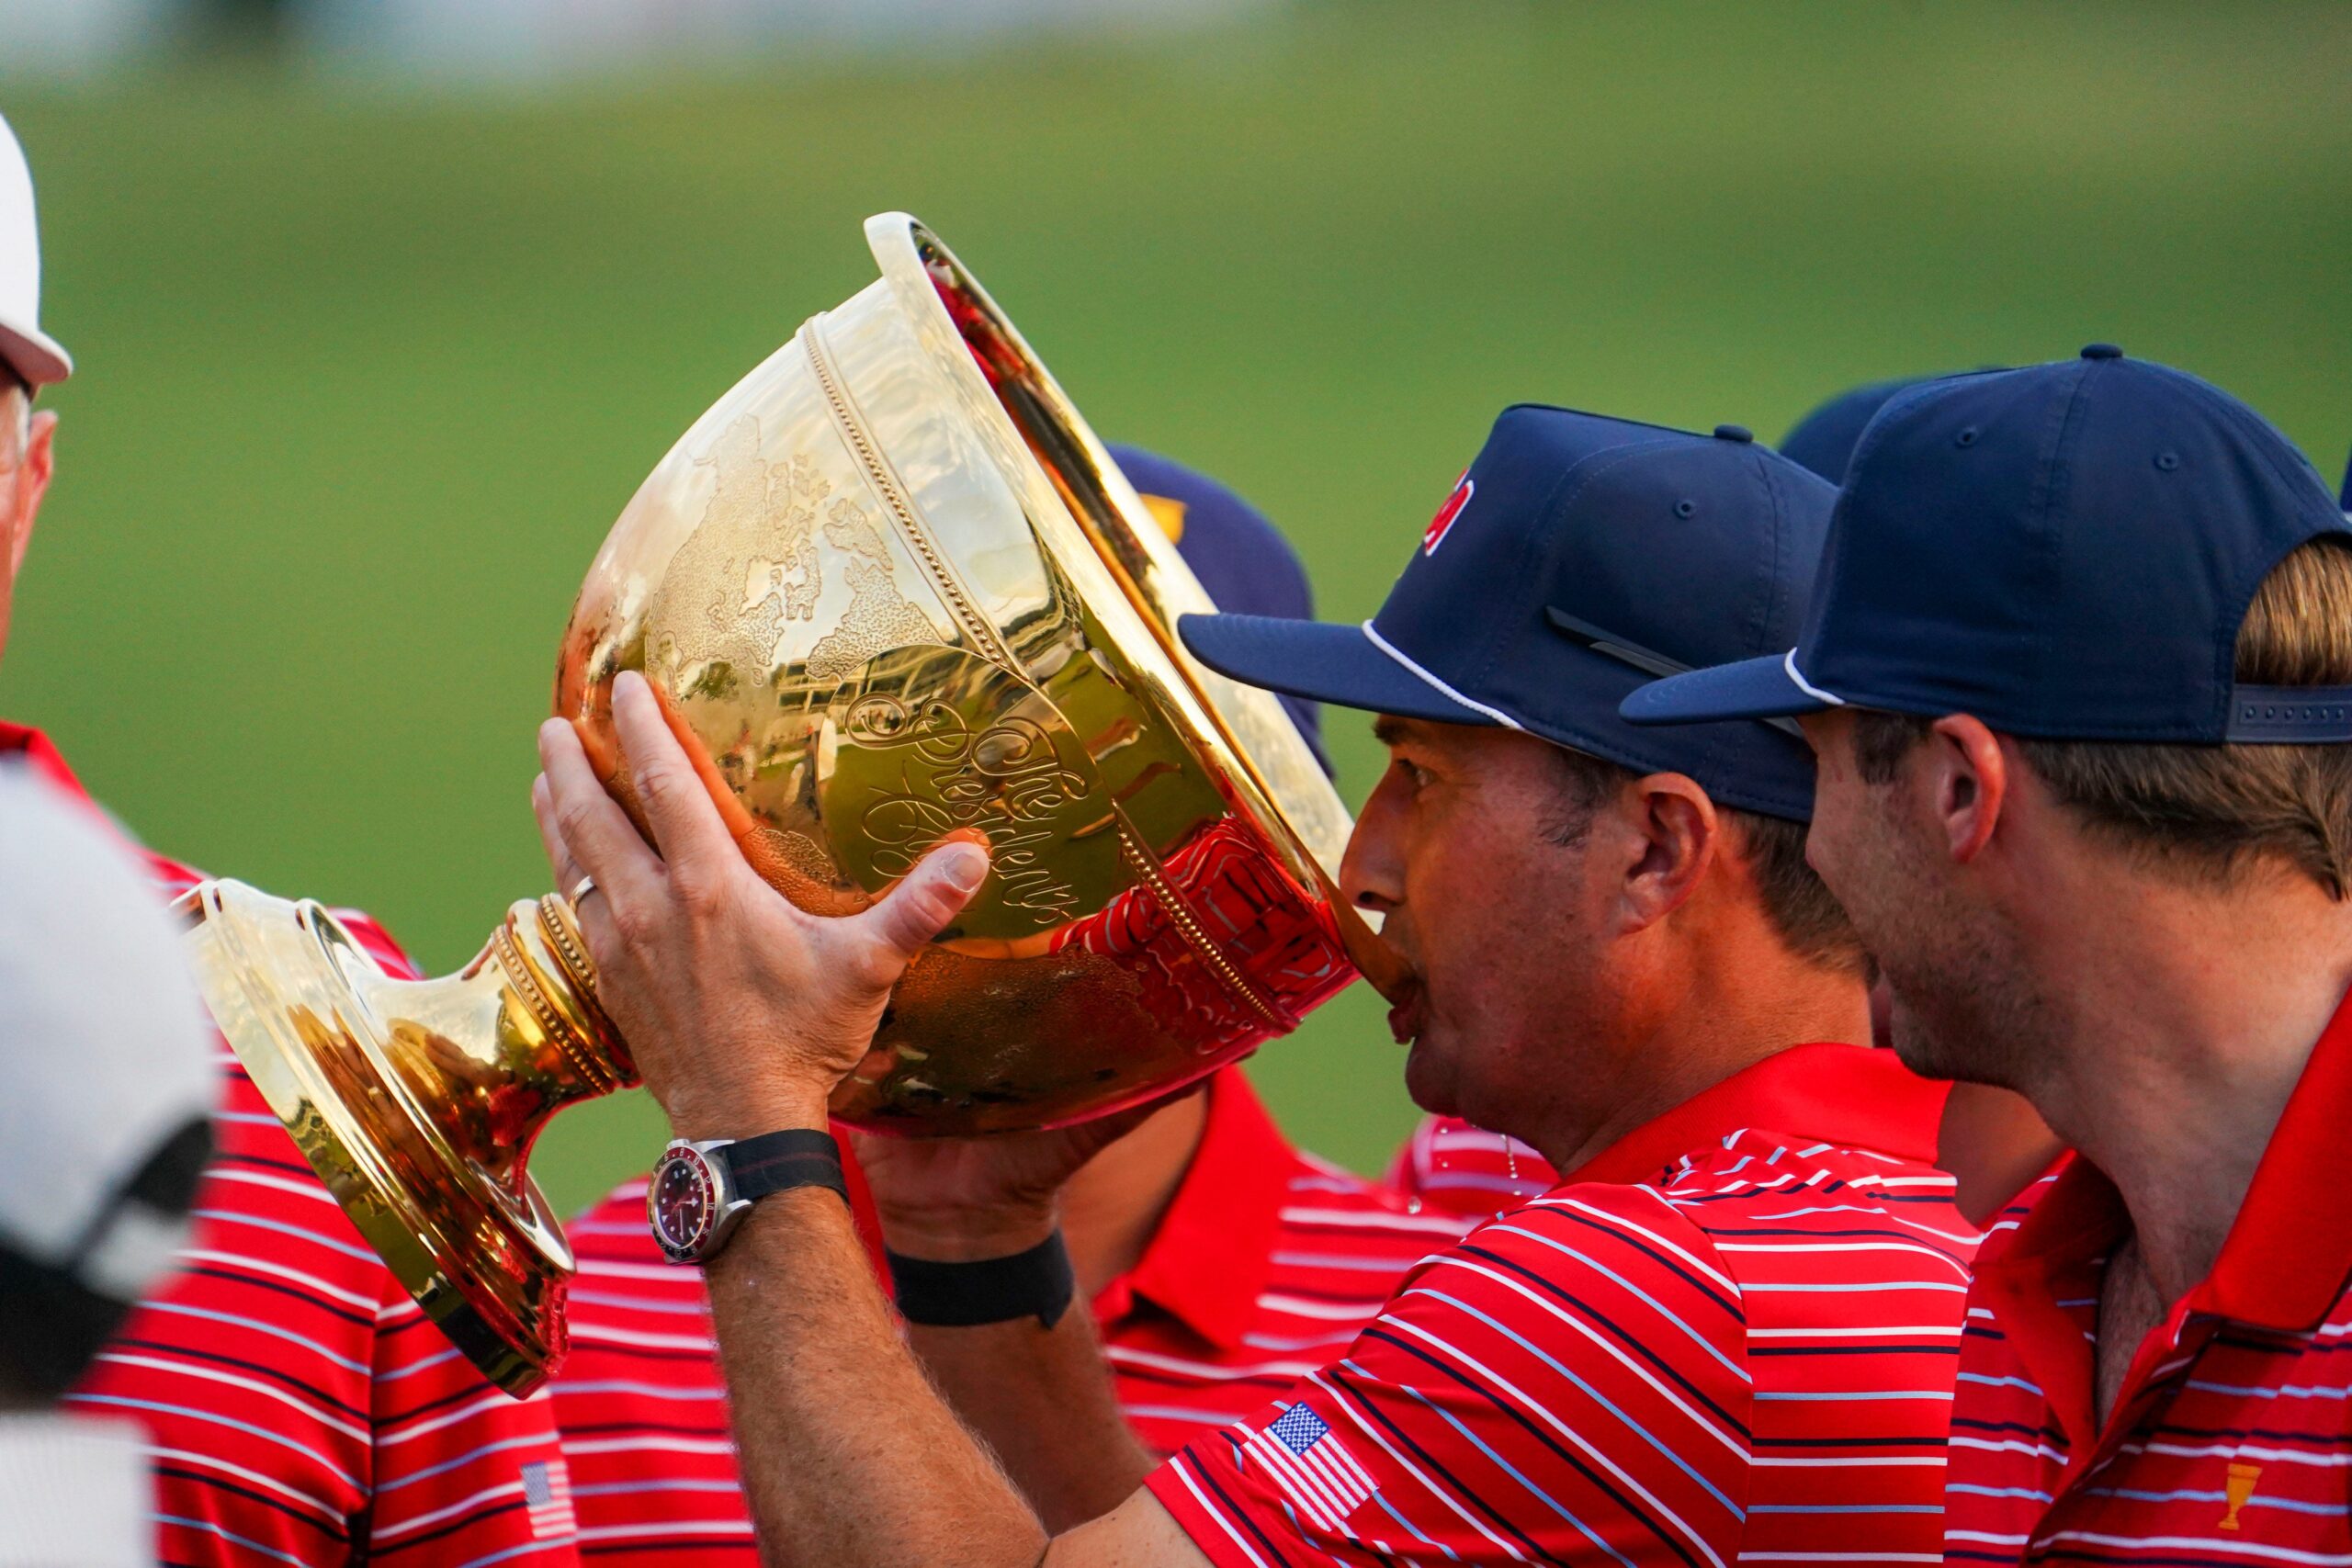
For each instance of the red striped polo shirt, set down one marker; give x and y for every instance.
(1731, 1337)
(2230, 1443)
(300, 1408)
(1265, 1264)
(1449, 1165)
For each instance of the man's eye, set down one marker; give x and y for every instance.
(1415, 774)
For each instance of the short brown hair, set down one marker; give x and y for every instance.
(2206, 811)
(1808, 920)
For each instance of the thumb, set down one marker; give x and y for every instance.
(929, 897)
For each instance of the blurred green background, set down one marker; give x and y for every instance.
(365, 373)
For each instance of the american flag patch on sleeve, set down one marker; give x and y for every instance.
(1305, 1458)
(547, 1491)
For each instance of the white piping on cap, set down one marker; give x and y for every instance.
(1789, 659)
(1382, 644)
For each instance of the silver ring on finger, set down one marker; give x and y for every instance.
(581, 889)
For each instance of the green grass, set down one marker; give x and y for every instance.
(364, 377)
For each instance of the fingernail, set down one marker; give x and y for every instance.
(965, 865)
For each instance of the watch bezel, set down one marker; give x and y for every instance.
(718, 1213)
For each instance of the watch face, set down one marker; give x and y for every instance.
(681, 1204)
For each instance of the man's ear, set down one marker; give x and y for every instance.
(1679, 834)
(32, 482)
(1966, 776)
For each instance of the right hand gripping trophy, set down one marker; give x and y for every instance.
(890, 585)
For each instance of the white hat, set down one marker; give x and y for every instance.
(31, 353)
(105, 1054)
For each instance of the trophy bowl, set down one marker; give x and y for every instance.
(889, 586)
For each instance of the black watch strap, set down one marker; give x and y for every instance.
(1037, 1283)
(777, 1162)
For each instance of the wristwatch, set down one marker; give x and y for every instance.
(699, 1191)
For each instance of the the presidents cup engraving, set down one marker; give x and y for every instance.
(929, 739)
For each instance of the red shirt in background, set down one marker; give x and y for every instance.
(1451, 1166)
(1266, 1264)
(1730, 1337)
(2230, 1439)
(299, 1407)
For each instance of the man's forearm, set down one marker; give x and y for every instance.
(1044, 1400)
(849, 1457)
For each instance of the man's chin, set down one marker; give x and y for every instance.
(1925, 1051)
(1428, 1079)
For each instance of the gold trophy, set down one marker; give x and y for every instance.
(889, 586)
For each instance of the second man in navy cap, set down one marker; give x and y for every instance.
(1727, 1334)
(2080, 677)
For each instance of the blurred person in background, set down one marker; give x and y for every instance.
(1611, 948)
(300, 1406)
(106, 1088)
(1219, 1262)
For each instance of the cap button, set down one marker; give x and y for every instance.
(2101, 351)
(1733, 432)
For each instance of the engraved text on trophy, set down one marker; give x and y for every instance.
(928, 739)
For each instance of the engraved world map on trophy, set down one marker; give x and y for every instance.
(751, 567)
(915, 739)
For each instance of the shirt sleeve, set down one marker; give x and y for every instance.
(297, 1406)
(1568, 1384)
(464, 1474)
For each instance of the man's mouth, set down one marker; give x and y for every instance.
(1410, 1014)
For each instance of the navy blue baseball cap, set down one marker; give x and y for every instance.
(2345, 500)
(1577, 557)
(2065, 551)
(1241, 556)
(1824, 440)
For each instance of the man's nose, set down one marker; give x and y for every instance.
(1371, 872)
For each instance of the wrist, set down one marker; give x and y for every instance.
(968, 1235)
(734, 1113)
(1036, 1282)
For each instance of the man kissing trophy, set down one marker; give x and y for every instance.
(889, 588)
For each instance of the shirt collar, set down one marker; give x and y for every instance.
(1849, 1095)
(18, 740)
(2283, 1263)
(1212, 1255)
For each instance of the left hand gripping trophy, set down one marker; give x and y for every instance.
(889, 586)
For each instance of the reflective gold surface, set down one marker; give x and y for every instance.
(890, 585)
(416, 1101)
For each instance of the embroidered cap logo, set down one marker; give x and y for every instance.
(1434, 535)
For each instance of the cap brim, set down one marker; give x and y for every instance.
(36, 357)
(1753, 688)
(1339, 665)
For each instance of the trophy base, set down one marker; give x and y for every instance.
(414, 1101)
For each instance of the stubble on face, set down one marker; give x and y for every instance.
(1493, 923)
(1963, 1005)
